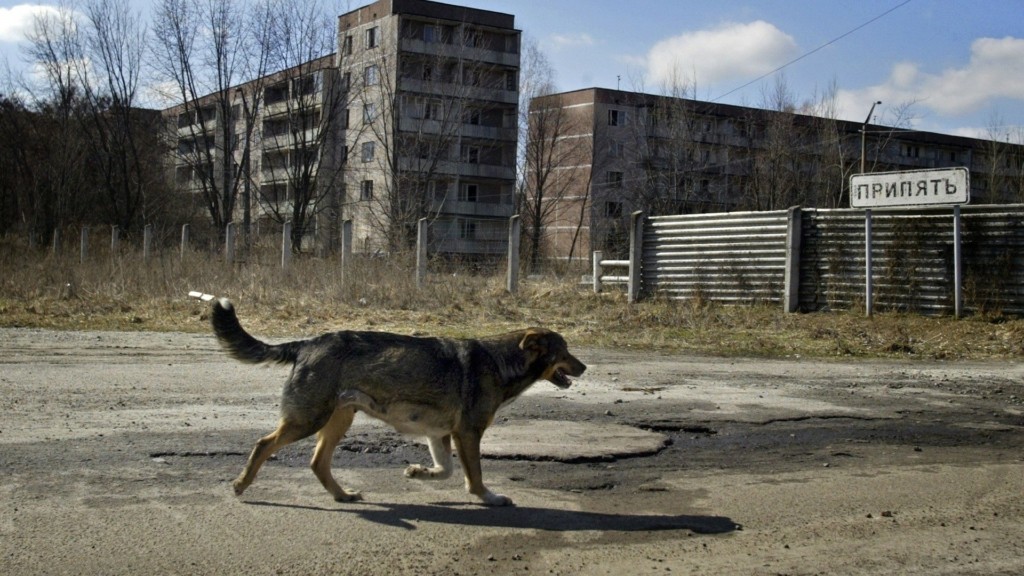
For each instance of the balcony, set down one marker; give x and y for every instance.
(481, 209)
(459, 168)
(449, 90)
(466, 130)
(458, 51)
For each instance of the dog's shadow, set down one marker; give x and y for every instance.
(406, 515)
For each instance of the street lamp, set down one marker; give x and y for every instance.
(863, 135)
(867, 215)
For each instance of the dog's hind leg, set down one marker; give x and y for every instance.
(286, 433)
(441, 452)
(327, 439)
(467, 443)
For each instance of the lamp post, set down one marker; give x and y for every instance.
(863, 135)
(867, 215)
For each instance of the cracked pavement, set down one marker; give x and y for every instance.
(117, 451)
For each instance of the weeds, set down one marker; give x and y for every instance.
(124, 292)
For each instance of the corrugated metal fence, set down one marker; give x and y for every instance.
(814, 259)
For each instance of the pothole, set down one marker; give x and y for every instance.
(570, 442)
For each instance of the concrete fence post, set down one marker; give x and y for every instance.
(147, 242)
(83, 245)
(229, 243)
(421, 252)
(636, 246)
(56, 242)
(598, 270)
(286, 245)
(346, 248)
(184, 239)
(512, 274)
(791, 297)
(115, 240)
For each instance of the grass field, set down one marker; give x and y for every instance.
(39, 289)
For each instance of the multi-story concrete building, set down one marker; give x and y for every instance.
(433, 131)
(413, 117)
(623, 151)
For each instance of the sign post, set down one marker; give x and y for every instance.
(944, 186)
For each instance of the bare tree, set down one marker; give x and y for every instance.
(678, 153)
(775, 180)
(551, 159)
(305, 107)
(51, 121)
(205, 50)
(420, 117)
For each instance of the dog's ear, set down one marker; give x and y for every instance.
(533, 342)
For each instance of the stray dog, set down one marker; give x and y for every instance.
(439, 388)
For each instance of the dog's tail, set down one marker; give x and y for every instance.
(243, 346)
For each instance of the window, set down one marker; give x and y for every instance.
(346, 81)
(372, 37)
(346, 47)
(366, 190)
(368, 151)
(470, 77)
(471, 154)
(428, 72)
(613, 209)
(431, 34)
(615, 149)
(511, 80)
(467, 229)
(371, 75)
(468, 193)
(616, 118)
(909, 151)
(343, 121)
(472, 38)
(432, 110)
(614, 179)
(472, 116)
(369, 112)
(306, 85)
(276, 93)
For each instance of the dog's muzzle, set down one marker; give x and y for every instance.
(560, 375)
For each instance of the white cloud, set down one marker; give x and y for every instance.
(995, 71)
(729, 52)
(17, 20)
(570, 40)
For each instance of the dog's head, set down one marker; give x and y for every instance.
(548, 352)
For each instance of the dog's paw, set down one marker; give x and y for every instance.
(239, 487)
(421, 472)
(492, 499)
(416, 471)
(348, 496)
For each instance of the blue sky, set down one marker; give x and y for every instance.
(952, 66)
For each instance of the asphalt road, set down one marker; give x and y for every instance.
(117, 451)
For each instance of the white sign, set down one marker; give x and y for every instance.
(910, 188)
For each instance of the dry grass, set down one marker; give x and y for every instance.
(124, 293)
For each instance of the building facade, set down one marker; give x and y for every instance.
(618, 151)
(432, 132)
(413, 117)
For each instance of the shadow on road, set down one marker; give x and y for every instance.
(404, 516)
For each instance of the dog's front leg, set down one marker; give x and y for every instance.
(441, 453)
(467, 443)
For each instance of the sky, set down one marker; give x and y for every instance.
(949, 66)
